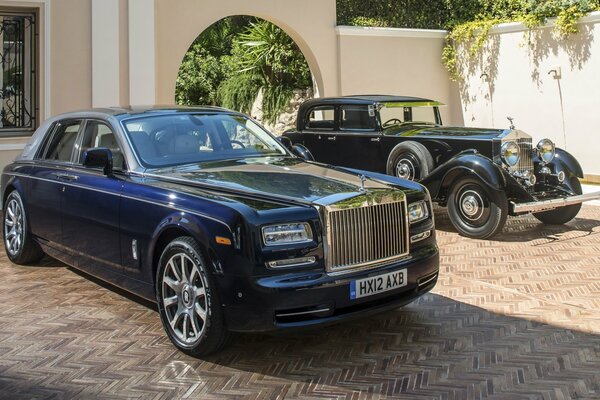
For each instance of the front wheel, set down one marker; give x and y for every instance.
(561, 215)
(188, 301)
(474, 212)
(20, 246)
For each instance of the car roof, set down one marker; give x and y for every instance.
(125, 112)
(366, 99)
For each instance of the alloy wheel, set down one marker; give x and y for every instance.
(14, 222)
(184, 299)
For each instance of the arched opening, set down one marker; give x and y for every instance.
(250, 65)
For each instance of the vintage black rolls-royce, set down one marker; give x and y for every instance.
(206, 213)
(481, 175)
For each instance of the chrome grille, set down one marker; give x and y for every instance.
(526, 160)
(367, 235)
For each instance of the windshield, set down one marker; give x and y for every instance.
(409, 113)
(169, 140)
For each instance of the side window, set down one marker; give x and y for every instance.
(358, 117)
(63, 141)
(321, 118)
(98, 134)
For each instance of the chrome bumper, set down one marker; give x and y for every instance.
(537, 206)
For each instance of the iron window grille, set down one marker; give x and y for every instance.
(18, 81)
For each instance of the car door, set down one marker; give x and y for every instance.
(319, 132)
(91, 204)
(45, 190)
(357, 142)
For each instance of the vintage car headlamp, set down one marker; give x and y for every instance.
(546, 150)
(510, 153)
(297, 232)
(417, 212)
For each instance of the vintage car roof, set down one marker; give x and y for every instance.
(368, 99)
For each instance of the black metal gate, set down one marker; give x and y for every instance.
(18, 83)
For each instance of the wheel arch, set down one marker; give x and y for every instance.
(441, 180)
(177, 225)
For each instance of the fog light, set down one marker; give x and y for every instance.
(292, 262)
(561, 176)
(531, 180)
(420, 236)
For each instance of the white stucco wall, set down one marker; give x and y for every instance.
(550, 86)
(397, 62)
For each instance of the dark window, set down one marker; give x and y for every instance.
(358, 117)
(321, 118)
(98, 134)
(63, 141)
(18, 83)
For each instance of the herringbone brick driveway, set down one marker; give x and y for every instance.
(517, 317)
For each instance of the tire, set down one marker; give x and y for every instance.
(188, 301)
(561, 215)
(474, 212)
(21, 247)
(410, 160)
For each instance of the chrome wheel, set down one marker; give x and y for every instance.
(14, 226)
(184, 299)
(407, 168)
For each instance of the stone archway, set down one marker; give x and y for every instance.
(179, 23)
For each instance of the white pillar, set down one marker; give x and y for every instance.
(142, 87)
(105, 53)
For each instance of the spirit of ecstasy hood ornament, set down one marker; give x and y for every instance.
(363, 179)
(512, 124)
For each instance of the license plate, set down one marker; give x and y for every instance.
(377, 284)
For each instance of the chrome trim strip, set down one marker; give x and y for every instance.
(536, 206)
(167, 205)
(428, 280)
(321, 310)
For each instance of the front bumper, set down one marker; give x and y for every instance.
(545, 205)
(315, 298)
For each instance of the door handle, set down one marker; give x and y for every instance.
(331, 138)
(375, 139)
(67, 177)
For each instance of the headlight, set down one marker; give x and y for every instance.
(298, 232)
(546, 150)
(417, 212)
(510, 153)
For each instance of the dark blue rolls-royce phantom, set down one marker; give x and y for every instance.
(209, 215)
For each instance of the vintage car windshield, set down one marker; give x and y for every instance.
(184, 138)
(408, 113)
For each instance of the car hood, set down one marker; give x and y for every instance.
(453, 132)
(277, 178)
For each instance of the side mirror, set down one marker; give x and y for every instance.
(99, 157)
(286, 142)
(302, 152)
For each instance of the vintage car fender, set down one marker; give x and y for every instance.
(468, 162)
(564, 161)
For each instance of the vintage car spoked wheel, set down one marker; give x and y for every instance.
(474, 212)
(20, 246)
(189, 307)
(562, 215)
(410, 160)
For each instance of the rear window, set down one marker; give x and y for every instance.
(62, 144)
(321, 118)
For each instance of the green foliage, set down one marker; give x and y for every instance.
(198, 77)
(469, 38)
(231, 61)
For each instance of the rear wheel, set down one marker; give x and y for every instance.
(474, 212)
(410, 160)
(561, 215)
(20, 246)
(188, 301)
